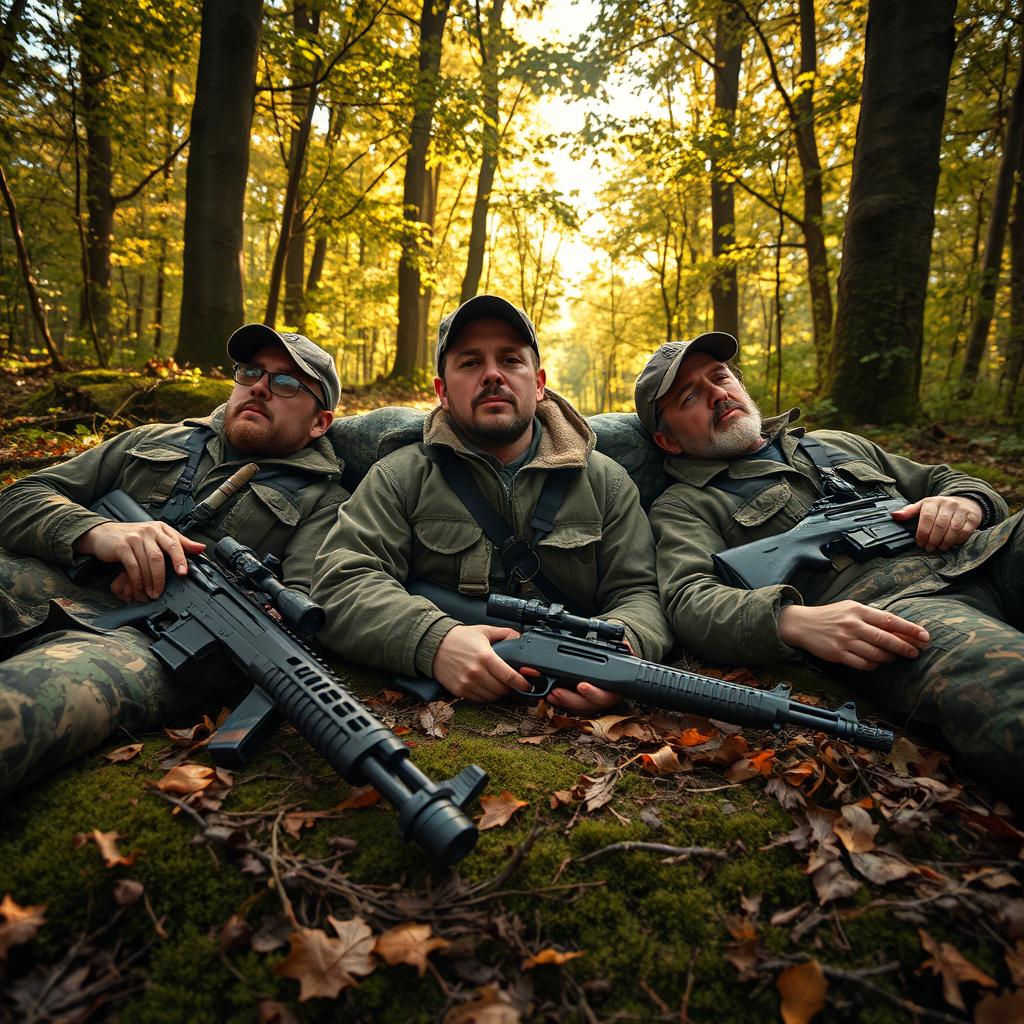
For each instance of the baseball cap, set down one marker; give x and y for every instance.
(250, 338)
(660, 372)
(477, 308)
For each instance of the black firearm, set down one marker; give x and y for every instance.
(567, 649)
(861, 529)
(217, 611)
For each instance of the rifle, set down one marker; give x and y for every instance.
(567, 649)
(218, 610)
(862, 529)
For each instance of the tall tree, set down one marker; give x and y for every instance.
(994, 240)
(432, 22)
(1014, 367)
(212, 299)
(728, 55)
(879, 332)
(488, 42)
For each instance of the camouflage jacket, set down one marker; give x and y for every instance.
(404, 522)
(693, 519)
(44, 513)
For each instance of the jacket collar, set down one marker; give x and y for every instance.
(699, 472)
(566, 441)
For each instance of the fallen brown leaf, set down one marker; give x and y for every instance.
(803, 989)
(433, 717)
(409, 943)
(185, 779)
(491, 1006)
(1003, 1009)
(323, 966)
(661, 762)
(549, 956)
(19, 925)
(1015, 961)
(498, 809)
(123, 754)
(750, 767)
(950, 964)
(127, 891)
(107, 843)
(364, 796)
(855, 829)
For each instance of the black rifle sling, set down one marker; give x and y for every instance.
(824, 457)
(519, 559)
(182, 501)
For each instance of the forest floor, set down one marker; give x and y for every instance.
(640, 867)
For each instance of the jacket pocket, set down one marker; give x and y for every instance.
(152, 471)
(452, 552)
(759, 508)
(866, 473)
(569, 557)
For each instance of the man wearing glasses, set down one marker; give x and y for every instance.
(64, 686)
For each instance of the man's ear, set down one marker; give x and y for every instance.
(667, 443)
(441, 392)
(324, 418)
(542, 379)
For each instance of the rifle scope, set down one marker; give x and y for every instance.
(304, 615)
(554, 616)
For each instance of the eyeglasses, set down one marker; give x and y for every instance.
(284, 385)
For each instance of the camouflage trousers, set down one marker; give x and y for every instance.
(63, 688)
(969, 681)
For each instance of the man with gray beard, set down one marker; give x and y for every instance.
(934, 633)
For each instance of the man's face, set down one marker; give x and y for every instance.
(707, 413)
(258, 422)
(491, 385)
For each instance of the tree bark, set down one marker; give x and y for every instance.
(489, 151)
(291, 247)
(879, 332)
(165, 199)
(432, 21)
(1014, 367)
(316, 263)
(94, 70)
(992, 260)
(38, 312)
(212, 300)
(9, 32)
(724, 290)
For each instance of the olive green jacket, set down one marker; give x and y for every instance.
(44, 513)
(405, 523)
(693, 519)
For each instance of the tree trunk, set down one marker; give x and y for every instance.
(212, 300)
(489, 152)
(165, 199)
(316, 263)
(94, 65)
(9, 32)
(810, 166)
(432, 21)
(724, 291)
(38, 312)
(993, 258)
(879, 333)
(1015, 344)
(303, 103)
(429, 214)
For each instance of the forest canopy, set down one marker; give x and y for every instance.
(836, 183)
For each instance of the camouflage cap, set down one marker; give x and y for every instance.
(309, 357)
(660, 372)
(477, 308)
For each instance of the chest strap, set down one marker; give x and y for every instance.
(519, 559)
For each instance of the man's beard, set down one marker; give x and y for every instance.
(736, 437)
(495, 431)
(246, 436)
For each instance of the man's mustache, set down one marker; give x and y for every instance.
(255, 403)
(494, 392)
(727, 405)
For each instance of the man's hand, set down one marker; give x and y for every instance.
(944, 521)
(141, 548)
(466, 666)
(586, 697)
(850, 633)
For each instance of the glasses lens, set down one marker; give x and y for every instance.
(284, 385)
(246, 373)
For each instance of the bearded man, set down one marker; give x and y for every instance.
(500, 432)
(65, 685)
(932, 634)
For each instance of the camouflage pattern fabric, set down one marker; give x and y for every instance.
(63, 691)
(969, 681)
